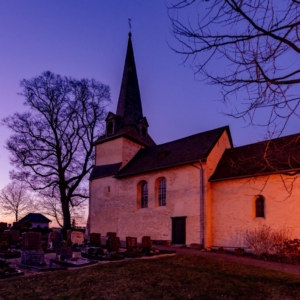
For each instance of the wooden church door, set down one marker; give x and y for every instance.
(178, 230)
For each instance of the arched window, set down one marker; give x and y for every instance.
(144, 194)
(162, 192)
(260, 207)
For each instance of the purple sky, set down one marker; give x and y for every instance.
(88, 39)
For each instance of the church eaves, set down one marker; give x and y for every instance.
(128, 120)
(188, 150)
(276, 156)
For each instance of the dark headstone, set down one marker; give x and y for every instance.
(95, 239)
(55, 239)
(111, 234)
(64, 253)
(15, 235)
(146, 242)
(112, 244)
(31, 240)
(131, 243)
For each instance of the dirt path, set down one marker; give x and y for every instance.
(288, 268)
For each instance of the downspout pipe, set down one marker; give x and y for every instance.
(201, 202)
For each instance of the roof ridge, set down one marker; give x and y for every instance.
(265, 141)
(189, 136)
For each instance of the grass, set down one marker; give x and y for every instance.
(173, 277)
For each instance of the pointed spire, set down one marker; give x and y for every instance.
(128, 120)
(129, 104)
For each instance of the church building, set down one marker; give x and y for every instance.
(198, 189)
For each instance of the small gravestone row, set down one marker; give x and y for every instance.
(74, 238)
(111, 249)
(95, 249)
(32, 256)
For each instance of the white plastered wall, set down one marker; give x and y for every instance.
(114, 205)
(211, 164)
(115, 151)
(232, 208)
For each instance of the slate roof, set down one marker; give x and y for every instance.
(129, 115)
(35, 218)
(129, 104)
(105, 170)
(130, 132)
(274, 156)
(190, 149)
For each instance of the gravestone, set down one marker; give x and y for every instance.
(15, 235)
(5, 241)
(64, 253)
(146, 242)
(32, 257)
(112, 244)
(95, 239)
(77, 237)
(31, 240)
(55, 239)
(131, 243)
(31, 253)
(111, 234)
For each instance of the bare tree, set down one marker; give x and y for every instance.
(16, 200)
(248, 47)
(51, 206)
(52, 144)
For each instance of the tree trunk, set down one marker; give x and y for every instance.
(66, 214)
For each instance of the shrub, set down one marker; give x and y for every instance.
(263, 239)
(288, 250)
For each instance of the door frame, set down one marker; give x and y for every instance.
(184, 229)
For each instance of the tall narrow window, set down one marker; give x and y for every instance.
(144, 194)
(260, 207)
(162, 192)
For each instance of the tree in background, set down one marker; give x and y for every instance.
(16, 200)
(52, 144)
(247, 46)
(51, 206)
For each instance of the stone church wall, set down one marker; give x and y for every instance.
(233, 208)
(115, 205)
(212, 161)
(117, 150)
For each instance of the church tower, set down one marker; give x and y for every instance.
(127, 130)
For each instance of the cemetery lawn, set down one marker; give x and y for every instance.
(173, 277)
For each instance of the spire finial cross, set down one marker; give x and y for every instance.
(129, 23)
